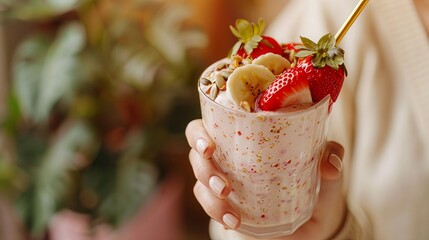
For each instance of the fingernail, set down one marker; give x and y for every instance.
(217, 185)
(335, 161)
(202, 145)
(230, 220)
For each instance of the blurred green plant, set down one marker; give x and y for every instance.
(96, 89)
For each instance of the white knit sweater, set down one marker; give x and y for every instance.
(381, 117)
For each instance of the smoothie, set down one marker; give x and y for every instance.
(272, 160)
(267, 113)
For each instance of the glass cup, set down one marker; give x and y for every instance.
(272, 160)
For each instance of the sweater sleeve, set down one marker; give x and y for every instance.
(350, 229)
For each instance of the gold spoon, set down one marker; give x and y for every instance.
(353, 16)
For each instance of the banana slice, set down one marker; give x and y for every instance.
(274, 62)
(246, 83)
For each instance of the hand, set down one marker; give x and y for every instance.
(213, 186)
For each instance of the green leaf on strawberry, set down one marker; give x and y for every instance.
(324, 52)
(251, 43)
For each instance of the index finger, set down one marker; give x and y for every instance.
(198, 138)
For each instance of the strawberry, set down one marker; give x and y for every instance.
(323, 81)
(251, 43)
(290, 49)
(290, 87)
(291, 46)
(323, 64)
(319, 72)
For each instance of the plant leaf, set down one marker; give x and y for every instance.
(141, 68)
(27, 68)
(62, 5)
(8, 176)
(60, 73)
(41, 9)
(12, 116)
(46, 71)
(134, 182)
(164, 31)
(53, 181)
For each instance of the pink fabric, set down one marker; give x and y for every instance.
(159, 219)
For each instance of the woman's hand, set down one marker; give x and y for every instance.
(213, 186)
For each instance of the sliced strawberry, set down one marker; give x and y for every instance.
(251, 43)
(290, 87)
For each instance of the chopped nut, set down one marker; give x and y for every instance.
(205, 81)
(293, 64)
(225, 73)
(220, 82)
(221, 66)
(236, 61)
(261, 118)
(247, 61)
(246, 106)
(214, 91)
(292, 56)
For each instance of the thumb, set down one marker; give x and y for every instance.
(331, 163)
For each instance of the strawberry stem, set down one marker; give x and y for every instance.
(249, 34)
(323, 53)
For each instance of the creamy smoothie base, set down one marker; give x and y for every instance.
(271, 158)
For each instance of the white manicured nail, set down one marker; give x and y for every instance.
(202, 145)
(217, 185)
(335, 161)
(230, 220)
